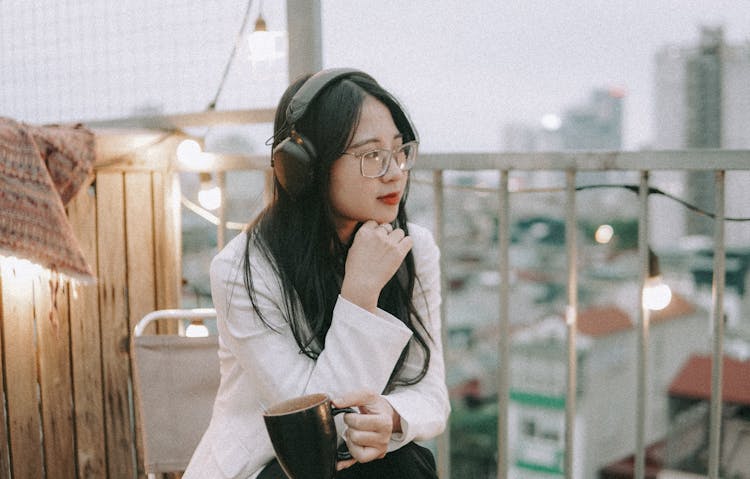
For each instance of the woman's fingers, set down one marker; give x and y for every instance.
(387, 227)
(354, 398)
(374, 257)
(366, 439)
(344, 464)
(374, 421)
(369, 432)
(365, 453)
(366, 446)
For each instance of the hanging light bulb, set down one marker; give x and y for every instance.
(196, 329)
(209, 195)
(656, 294)
(189, 151)
(265, 45)
(604, 234)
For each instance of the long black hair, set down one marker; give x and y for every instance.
(297, 234)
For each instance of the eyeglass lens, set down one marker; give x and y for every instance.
(375, 163)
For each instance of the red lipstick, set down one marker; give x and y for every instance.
(391, 199)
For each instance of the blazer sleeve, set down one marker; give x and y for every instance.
(424, 407)
(360, 351)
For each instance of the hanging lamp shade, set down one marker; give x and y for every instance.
(41, 169)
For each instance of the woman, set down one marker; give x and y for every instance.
(330, 290)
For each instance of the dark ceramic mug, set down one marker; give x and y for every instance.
(303, 435)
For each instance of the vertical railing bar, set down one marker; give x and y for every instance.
(717, 369)
(221, 182)
(571, 319)
(503, 370)
(443, 441)
(643, 330)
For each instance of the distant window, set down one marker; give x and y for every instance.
(529, 427)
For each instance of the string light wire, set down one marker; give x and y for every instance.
(232, 55)
(632, 188)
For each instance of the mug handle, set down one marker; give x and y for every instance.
(342, 453)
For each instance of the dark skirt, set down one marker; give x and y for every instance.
(409, 462)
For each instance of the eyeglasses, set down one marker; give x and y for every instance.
(375, 163)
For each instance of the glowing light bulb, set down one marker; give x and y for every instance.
(210, 198)
(551, 122)
(604, 234)
(264, 45)
(195, 330)
(23, 268)
(656, 294)
(189, 151)
(209, 195)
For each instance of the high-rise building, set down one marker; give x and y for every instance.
(702, 94)
(595, 125)
(702, 100)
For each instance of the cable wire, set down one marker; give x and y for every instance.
(238, 40)
(657, 191)
(632, 188)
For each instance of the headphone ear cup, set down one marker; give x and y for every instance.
(293, 160)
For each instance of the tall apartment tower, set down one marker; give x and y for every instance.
(702, 100)
(596, 125)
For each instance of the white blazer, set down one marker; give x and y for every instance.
(260, 366)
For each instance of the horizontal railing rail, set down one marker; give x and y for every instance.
(570, 164)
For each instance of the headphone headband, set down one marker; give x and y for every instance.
(310, 89)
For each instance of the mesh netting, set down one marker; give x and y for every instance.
(78, 60)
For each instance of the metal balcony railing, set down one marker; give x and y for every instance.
(572, 164)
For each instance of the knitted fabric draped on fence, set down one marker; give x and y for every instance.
(41, 169)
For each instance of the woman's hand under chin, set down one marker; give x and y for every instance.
(374, 257)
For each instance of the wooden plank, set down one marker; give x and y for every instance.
(24, 423)
(86, 349)
(139, 228)
(186, 120)
(113, 304)
(4, 449)
(51, 311)
(167, 245)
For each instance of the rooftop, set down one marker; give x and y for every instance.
(694, 380)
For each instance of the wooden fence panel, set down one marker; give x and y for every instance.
(24, 423)
(51, 311)
(66, 406)
(4, 446)
(86, 348)
(139, 229)
(167, 244)
(115, 331)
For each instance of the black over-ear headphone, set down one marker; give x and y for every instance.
(293, 158)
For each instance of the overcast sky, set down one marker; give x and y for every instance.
(464, 68)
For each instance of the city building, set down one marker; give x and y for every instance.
(689, 396)
(702, 100)
(605, 423)
(595, 125)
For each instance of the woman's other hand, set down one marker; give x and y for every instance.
(374, 257)
(368, 432)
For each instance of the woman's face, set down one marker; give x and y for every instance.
(355, 198)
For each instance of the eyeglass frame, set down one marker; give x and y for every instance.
(391, 157)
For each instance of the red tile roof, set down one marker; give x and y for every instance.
(603, 320)
(694, 380)
(599, 321)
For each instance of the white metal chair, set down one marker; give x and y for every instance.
(176, 379)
